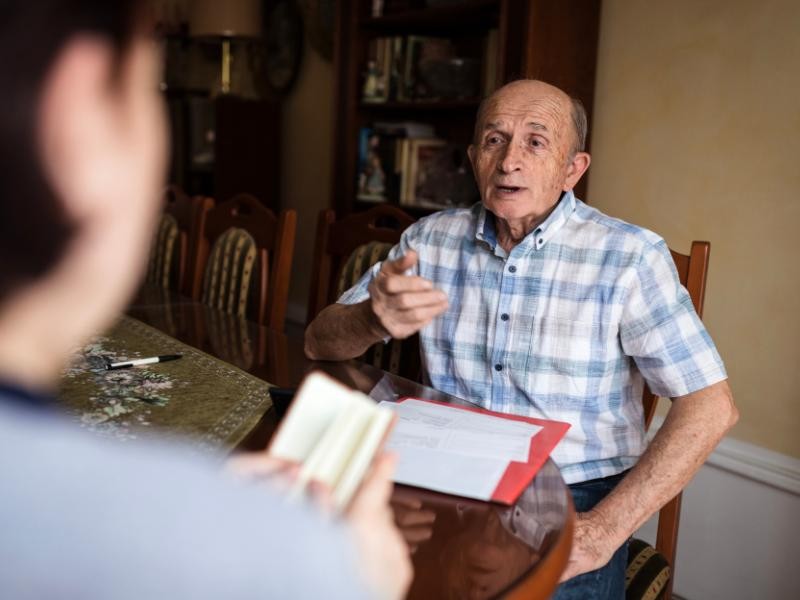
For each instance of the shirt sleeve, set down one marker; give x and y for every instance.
(661, 331)
(359, 292)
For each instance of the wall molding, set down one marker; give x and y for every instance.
(752, 462)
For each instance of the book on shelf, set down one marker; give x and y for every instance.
(469, 452)
(333, 433)
(380, 160)
(404, 162)
(417, 68)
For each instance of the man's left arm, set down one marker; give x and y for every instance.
(693, 427)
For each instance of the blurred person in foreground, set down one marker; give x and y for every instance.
(82, 157)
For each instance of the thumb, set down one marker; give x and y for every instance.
(402, 264)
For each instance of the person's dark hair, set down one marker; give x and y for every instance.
(34, 230)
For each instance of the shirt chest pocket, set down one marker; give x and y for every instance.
(566, 356)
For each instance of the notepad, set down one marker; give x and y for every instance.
(333, 433)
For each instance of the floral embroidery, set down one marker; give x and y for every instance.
(123, 400)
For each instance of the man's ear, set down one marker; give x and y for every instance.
(471, 154)
(576, 168)
(74, 118)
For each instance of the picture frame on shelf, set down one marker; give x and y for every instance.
(436, 175)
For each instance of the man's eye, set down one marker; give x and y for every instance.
(493, 140)
(536, 143)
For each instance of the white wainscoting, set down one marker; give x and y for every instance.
(739, 534)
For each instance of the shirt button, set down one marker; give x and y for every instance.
(512, 269)
(498, 367)
(504, 317)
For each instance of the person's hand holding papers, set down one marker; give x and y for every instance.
(328, 449)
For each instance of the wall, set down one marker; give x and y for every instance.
(738, 530)
(306, 165)
(697, 136)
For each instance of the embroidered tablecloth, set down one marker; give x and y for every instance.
(212, 403)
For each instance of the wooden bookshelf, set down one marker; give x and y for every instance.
(553, 40)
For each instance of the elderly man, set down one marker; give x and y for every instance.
(533, 303)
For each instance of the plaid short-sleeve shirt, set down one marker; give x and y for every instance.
(566, 326)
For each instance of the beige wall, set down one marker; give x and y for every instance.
(306, 161)
(697, 136)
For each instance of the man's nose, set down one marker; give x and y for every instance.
(511, 159)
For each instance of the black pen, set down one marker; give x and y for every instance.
(142, 361)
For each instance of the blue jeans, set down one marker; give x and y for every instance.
(608, 582)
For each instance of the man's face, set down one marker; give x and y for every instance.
(522, 157)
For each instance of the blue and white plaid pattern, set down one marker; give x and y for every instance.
(564, 327)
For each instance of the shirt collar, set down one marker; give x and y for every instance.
(14, 394)
(537, 239)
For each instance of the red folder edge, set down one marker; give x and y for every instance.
(518, 474)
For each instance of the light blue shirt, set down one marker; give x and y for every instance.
(567, 326)
(85, 518)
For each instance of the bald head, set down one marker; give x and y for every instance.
(538, 92)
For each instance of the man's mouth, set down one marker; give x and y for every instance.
(507, 189)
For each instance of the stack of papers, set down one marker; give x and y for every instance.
(468, 451)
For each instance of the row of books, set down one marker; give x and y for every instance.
(407, 163)
(413, 68)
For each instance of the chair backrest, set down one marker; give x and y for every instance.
(246, 258)
(195, 215)
(344, 251)
(169, 253)
(692, 272)
(337, 240)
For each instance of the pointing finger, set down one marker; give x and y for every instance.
(400, 265)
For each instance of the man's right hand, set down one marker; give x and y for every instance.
(404, 304)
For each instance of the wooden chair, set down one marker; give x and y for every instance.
(200, 205)
(169, 251)
(344, 251)
(245, 256)
(174, 248)
(651, 571)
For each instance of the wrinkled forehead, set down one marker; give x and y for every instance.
(530, 107)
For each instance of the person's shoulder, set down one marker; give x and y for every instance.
(452, 224)
(615, 232)
(449, 218)
(164, 491)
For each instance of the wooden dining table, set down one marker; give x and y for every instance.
(460, 548)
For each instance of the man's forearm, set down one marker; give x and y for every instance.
(342, 331)
(694, 426)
